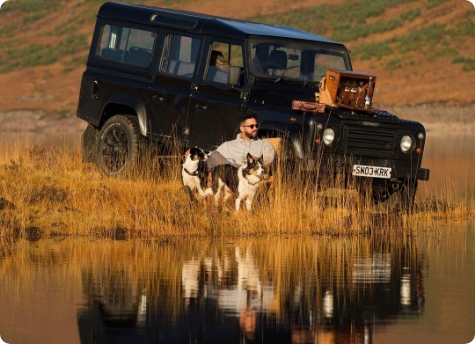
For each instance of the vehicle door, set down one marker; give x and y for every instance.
(173, 85)
(217, 103)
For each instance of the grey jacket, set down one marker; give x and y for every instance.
(235, 151)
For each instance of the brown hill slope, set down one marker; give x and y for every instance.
(429, 76)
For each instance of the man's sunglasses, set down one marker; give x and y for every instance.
(251, 126)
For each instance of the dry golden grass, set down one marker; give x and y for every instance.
(46, 190)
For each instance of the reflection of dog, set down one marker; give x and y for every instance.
(244, 182)
(193, 173)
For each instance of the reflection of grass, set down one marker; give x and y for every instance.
(112, 275)
(51, 189)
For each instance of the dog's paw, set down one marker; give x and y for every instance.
(208, 192)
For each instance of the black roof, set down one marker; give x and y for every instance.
(203, 23)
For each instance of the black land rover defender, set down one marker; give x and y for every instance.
(160, 75)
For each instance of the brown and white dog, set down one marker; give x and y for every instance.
(193, 173)
(242, 182)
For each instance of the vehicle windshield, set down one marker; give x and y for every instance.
(295, 61)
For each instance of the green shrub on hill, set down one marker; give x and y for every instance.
(467, 62)
(40, 54)
(29, 56)
(72, 44)
(32, 18)
(434, 3)
(421, 38)
(343, 22)
(347, 22)
(348, 32)
(411, 14)
(28, 6)
(374, 50)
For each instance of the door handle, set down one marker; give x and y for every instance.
(157, 99)
(95, 89)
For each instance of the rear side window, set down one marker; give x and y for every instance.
(180, 55)
(224, 60)
(126, 45)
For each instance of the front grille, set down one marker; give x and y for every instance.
(375, 142)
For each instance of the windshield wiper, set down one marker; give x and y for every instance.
(282, 75)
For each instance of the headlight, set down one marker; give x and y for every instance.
(406, 143)
(328, 136)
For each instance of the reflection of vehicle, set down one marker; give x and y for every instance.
(149, 77)
(236, 292)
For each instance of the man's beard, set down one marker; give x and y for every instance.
(251, 136)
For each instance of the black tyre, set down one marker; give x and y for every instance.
(118, 146)
(404, 191)
(287, 157)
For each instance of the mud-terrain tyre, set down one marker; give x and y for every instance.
(287, 157)
(118, 146)
(405, 193)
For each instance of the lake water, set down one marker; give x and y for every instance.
(413, 289)
(390, 288)
(451, 159)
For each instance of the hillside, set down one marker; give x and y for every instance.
(421, 51)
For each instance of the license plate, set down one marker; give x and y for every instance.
(372, 171)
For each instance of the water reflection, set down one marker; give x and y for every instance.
(278, 291)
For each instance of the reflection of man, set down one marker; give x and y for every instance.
(247, 319)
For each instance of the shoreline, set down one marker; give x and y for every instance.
(453, 120)
(436, 120)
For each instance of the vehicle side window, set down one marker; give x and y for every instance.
(180, 55)
(126, 45)
(224, 61)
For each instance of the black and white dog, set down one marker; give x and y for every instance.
(193, 173)
(242, 182)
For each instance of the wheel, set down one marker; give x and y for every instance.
(404, 191)
(118, 146)
(383, 193)
(287, 157)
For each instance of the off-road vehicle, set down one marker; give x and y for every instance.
(158, 75)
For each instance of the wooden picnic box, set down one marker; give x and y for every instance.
(347, 89)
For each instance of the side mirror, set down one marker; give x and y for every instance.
(233, 75)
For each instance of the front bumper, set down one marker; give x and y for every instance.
(400, 170)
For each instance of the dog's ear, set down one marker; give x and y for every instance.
(187, 153)
(250, 159)
(261, 159)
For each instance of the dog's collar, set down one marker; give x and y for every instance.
(249, 182)
(253, 184)
(191, 173)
